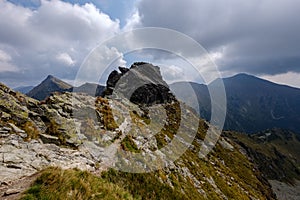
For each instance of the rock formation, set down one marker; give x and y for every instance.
(142, 84)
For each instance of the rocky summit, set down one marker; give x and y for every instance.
(71, 142)
(142, 84)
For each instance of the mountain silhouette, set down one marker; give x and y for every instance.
(253, 104)
(49, 85)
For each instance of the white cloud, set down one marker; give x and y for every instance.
(7, 67)
(36, 38)
(290, 78)
(172, 73)
(99, 64)
(133, 22)
(5, 63)
(65, 59)
(4, 57)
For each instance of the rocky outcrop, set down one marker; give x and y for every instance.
(142, 84)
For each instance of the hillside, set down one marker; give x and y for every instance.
(253, 104)
(275, 152)
(107, 136)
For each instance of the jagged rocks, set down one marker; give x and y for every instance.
(142, 84)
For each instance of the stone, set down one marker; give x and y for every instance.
(50, 139)
(12, 191)
(15, 128)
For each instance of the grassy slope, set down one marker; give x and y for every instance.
(277, 155)
(56, 184)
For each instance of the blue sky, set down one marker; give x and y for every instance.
(41, 37)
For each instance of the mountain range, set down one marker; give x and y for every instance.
(253, 104)
(97, 135)
(52, 84)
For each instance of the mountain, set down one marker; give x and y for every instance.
(85, 139)
(24, 89)
(91, 89)
(52, 84)
(253, 104)
(49, 85)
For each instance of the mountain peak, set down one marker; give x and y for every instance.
(50, 76)
(46, 87)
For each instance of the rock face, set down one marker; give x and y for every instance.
(142, 84)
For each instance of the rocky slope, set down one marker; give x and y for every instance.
(73, 130)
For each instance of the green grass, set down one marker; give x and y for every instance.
(129, 145)
(58, 184)
(277, 157)
(143, 186)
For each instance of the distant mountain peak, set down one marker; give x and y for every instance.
(50, 76)
(46, 87)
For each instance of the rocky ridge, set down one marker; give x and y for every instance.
(72, 130)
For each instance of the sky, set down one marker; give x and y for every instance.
(41, 37)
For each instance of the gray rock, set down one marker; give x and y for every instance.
(15, 128)
(12, 191)
(49, 139)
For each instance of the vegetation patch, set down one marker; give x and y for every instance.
(129, 145)
(105, 114)
(143, 186)
(58, 184)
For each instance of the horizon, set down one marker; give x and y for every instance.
(71, 82)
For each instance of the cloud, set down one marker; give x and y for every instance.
(45, 40)
(98, 65)
(290, 78)
(5, 63)
(257, 36)
(172, 73)
(4, 57)
(65, 59)
(133, 21)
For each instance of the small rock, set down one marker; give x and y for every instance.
(16, 129)
(15, 143)
(23, 135)
(3, 132)
(6, 129)
(12, 191)
(49, 139)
